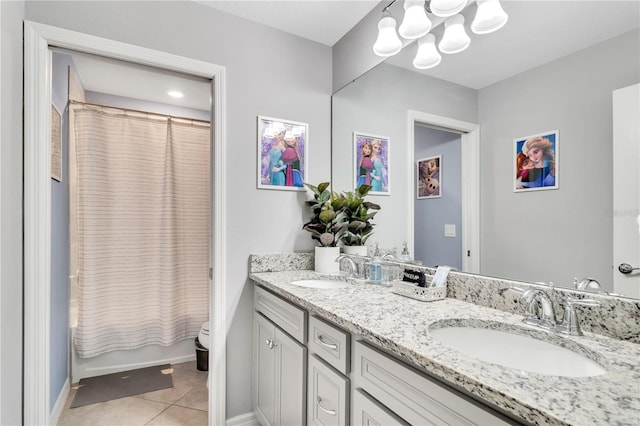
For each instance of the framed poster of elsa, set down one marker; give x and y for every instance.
(535, 162)
(282, 154)
(371, 154)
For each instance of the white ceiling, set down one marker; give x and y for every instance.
(322, 21)
(537, 32)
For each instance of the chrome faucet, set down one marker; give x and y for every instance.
(539, 310)
(586, 284)
(389, 256)
(569, 324)
(353, 267)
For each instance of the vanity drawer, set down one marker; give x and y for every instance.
(285, 315)
(368, 412)
(415, 397)
(328, 395)
(330, 343)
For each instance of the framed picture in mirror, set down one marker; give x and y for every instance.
(282, 154)
(56, 144)
(535, 162)
(429, 182)
(371, 154)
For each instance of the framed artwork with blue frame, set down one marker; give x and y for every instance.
(535, 162)
(371, 155)
(283, 147)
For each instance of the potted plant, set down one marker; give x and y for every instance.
(327, 223)
(358, 216)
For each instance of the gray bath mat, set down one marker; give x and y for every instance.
(119, 385)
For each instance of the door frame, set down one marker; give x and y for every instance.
(470, 144)
(37, 205)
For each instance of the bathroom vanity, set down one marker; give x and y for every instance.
(363, 355)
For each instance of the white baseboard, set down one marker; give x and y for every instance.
(248, 419)
(60, 402)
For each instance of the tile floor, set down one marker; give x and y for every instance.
(183, 404)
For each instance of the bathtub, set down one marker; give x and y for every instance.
(116, 361)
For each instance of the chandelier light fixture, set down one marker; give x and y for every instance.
(417, 24)
(387, 43)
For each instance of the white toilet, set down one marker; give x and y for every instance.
(203, 335)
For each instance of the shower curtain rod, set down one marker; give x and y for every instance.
(73, 101)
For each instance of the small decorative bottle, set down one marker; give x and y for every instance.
(405, 256)
(375, 267)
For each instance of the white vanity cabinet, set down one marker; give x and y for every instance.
(411, 395)
(329, 364)
(279, 361)
(344, 380)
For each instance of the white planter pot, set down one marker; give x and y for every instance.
(358, 250)
(325, 260)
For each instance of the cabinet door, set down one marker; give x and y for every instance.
(367, 412)
(264, 371)
(291, 377)
(328, 395)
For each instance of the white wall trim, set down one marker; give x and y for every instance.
(470, 141)
(37, 204)
(56, 412)
(248, 419)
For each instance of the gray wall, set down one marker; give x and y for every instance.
(553, 235)
(11, 16)
(378, 104)
(296, 87)
(431, 214)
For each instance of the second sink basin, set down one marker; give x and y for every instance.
(319, 283)
(509, 348)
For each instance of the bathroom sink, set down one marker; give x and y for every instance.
(510, 347)
(318, 283)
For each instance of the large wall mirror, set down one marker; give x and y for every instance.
(501, 84)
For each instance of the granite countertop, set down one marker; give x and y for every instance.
(401, 326)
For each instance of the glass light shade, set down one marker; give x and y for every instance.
(427, 55)
(415, 23)
(489, 17)
(387, 43)
(455, 38)
(446, 8)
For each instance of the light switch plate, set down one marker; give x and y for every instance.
(449, 230)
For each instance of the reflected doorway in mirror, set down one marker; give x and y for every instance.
(282, 153)
(535, 162)
(371, 154)
(429, 173)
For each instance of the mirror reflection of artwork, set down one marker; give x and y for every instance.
(429, 184)
(371, 154)
(56, 144)
(282, 146)
(536, 162)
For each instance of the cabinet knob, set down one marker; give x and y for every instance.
(270, 343)
(329, 412)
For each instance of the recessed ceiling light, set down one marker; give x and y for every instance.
(175, 94)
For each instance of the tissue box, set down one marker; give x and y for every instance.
(424, 294)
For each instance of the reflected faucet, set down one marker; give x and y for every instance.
(586, 284)
(353, 267)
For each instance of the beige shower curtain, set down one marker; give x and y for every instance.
(140, 206)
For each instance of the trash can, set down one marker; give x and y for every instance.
(202, 357)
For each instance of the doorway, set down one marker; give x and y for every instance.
(469, 182)
(38, 39)
(438, 208)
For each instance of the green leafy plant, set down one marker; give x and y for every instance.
(329, 219)
(358, 216)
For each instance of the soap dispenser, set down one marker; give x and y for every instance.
(375, 267)
(405, 256)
